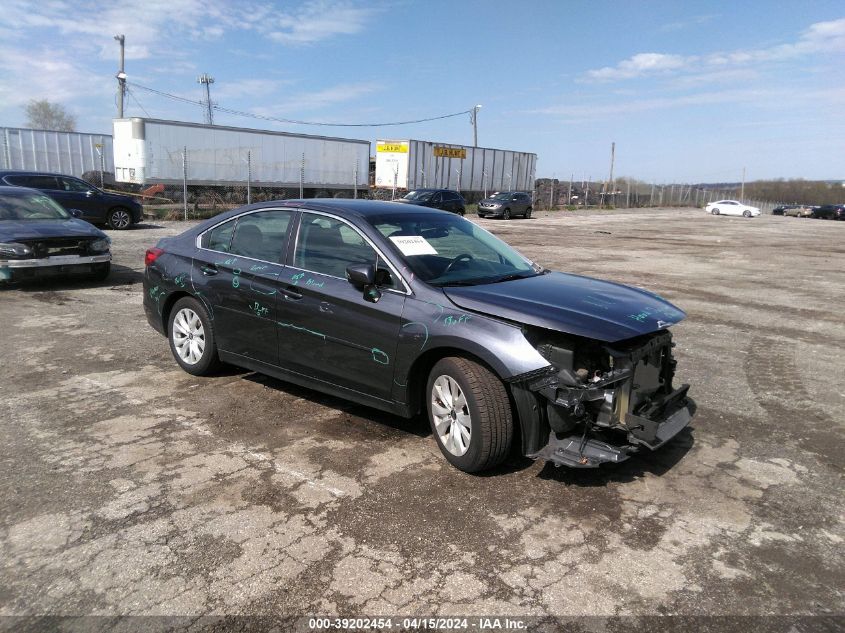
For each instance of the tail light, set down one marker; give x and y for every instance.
(151, 255)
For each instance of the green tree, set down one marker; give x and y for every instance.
(43, 115)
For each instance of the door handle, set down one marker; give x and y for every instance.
(291, 293)
(209, 269)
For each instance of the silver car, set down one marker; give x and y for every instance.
(505, 205)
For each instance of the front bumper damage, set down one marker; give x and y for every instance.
(618, 411)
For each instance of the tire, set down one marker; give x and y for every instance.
(119, 218)
(506, 214)
(198, 327)
(746, 214)
(99, 272)
(528, 213)
(715, 211)
(462, 212)
(486, 414)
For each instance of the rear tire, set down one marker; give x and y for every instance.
(528, 213)
(119, 218)
(715, 211)
(469, 413)
(191, 335)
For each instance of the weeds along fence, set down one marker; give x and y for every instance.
(558, 194)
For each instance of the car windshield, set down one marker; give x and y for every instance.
(447, 250)
(422, 196)
(31, 207)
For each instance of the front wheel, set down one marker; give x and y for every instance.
(100, 271)
(747, 214)
(469, 413)
(191, 337)
(119, 218)
(506, 214)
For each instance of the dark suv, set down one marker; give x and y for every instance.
(830, 212)
(505, 205)
(95, 206)
(444, 199)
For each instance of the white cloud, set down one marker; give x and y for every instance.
(821, 37)
(307, 101)
(317, 20)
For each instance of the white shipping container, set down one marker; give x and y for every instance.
(69, 153)
(410, 164)
(150, 151)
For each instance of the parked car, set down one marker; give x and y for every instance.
(829, 212)
(732, 207)
(38, 238)
(800, 211)
(96, 206)
(505, 205)
(780, 209)
(444, 199)
(413, 310)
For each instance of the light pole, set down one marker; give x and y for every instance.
(473, 118)
(121, 76)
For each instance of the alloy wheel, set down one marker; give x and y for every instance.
(188, 336)
(452, 419)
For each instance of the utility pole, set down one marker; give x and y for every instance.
(552, 193)
(207, 80)
(121, 76)
(473, 118)
(612, 159)
(742, 191)
(569, 195)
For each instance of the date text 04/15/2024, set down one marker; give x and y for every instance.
(423, 624)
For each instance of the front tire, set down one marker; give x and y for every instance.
(747, 214)
(506, 214)
(191, 337)
(99, 272)
(119, 218)
(469, 413)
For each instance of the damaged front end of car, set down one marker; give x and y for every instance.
(600, 402)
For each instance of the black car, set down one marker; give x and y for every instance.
(38, 238)
(505, 205)
(95, 206)
(829, 212)
(781, 209)
(444, 199)
(414, 310)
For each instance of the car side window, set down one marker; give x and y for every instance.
(262, 235)
(70, 184)
(219, 238)
(327, 246)
(36, 182)
(437, 197)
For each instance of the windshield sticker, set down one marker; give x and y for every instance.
(413, 245)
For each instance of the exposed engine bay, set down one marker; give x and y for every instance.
(604, 401)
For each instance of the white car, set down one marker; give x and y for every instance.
(732, 207)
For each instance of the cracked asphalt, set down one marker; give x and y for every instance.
(131, 487)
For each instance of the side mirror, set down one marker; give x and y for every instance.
(361, 275)
(90, 193)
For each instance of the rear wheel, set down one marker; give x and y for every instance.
(715, 211)
(469, 413)
(119, 218)
(191, 337)
(528, 213)
(506, 214)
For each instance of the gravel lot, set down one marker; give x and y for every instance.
(130, 487)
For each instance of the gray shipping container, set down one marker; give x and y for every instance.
(150, 151)
(70, 153)
(415, 164)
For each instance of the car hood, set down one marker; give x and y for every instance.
(12, 230)
(596, 309)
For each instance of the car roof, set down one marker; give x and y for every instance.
(6, 190)
(28, 172)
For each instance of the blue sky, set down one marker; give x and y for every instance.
(689, 91)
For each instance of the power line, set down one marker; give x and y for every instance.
(296, 121)
(135, 99)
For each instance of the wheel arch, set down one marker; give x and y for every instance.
(525, 422)
(167, 307)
